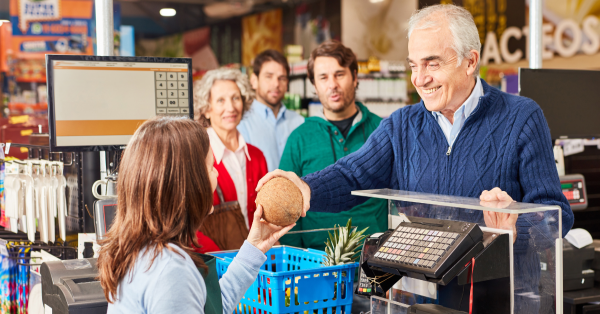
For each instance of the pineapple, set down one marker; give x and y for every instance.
(342, 246)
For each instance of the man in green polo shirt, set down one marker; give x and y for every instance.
(341, 129)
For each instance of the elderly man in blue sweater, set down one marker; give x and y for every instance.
(464, 138)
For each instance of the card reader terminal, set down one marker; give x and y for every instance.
(573, 187)
(105, 212)
(426, 246)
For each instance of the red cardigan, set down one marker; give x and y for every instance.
(256, 168)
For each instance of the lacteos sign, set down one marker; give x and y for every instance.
(566, 39)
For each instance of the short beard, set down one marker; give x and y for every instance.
(347, 103)
(265, 99)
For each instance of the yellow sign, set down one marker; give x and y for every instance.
(18, 119)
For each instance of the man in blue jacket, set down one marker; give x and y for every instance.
(464, 138)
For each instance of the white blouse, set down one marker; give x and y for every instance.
(235, 163)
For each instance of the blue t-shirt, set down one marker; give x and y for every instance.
(173, 284)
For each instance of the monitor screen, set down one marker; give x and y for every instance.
(97, 103)
(570, 100)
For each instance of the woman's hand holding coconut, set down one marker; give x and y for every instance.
(282, 198)
(264, 235)
(301, 185)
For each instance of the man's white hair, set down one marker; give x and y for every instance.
(465, 36)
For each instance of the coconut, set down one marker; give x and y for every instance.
(281, 201)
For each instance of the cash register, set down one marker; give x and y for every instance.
(438, 251)
(72, 287)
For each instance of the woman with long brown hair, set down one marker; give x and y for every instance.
(146, 262)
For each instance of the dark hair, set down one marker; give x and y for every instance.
(270, 55)
(164, 195)
(334, 49)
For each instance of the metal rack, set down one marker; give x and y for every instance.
(81, 170)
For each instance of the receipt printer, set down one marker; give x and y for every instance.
(71, 286)
(577, 267)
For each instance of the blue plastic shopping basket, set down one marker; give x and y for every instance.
(294, 280)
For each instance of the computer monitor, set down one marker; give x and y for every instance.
(97, 103)
(570, 100)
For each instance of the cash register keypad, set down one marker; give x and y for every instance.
(172, 93)
(416, 246)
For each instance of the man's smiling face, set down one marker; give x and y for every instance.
(439, 81)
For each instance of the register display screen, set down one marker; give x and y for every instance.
(98, 102)
(570, 100)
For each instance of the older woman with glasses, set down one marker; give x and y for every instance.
(220, 100)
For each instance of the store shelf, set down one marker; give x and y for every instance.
(30, 146)
(298, 76)
(360, 76)
(42, 81)
(376, 75)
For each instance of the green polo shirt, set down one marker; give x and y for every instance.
(315, 145)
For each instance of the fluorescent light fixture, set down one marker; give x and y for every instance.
(168, 12)
(376, 1)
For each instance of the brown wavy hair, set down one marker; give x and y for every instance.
(333, 48)
(164, 195)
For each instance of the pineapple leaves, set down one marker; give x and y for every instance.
(343, 244)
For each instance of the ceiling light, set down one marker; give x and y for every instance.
(376, 1)
(168, 12)
(224, 10)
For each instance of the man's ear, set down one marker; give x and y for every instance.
(254, 81)
(355, 83)
(472, 62)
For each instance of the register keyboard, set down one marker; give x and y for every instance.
(427, 246)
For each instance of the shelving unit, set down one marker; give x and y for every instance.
(381, 93)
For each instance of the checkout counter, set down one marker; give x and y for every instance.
(455, 258)
(473, 262)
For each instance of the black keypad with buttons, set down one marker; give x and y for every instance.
(428, 246)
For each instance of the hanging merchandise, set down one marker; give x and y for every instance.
(29, 202)
(50, 200)
(19, 198)
(41, 195)
(57, 200)
(24, 254)
(61, 200)
(3, 219)
(35, 195)
(14, 278)
(12, 195)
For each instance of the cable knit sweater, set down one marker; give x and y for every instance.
(505, 143)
